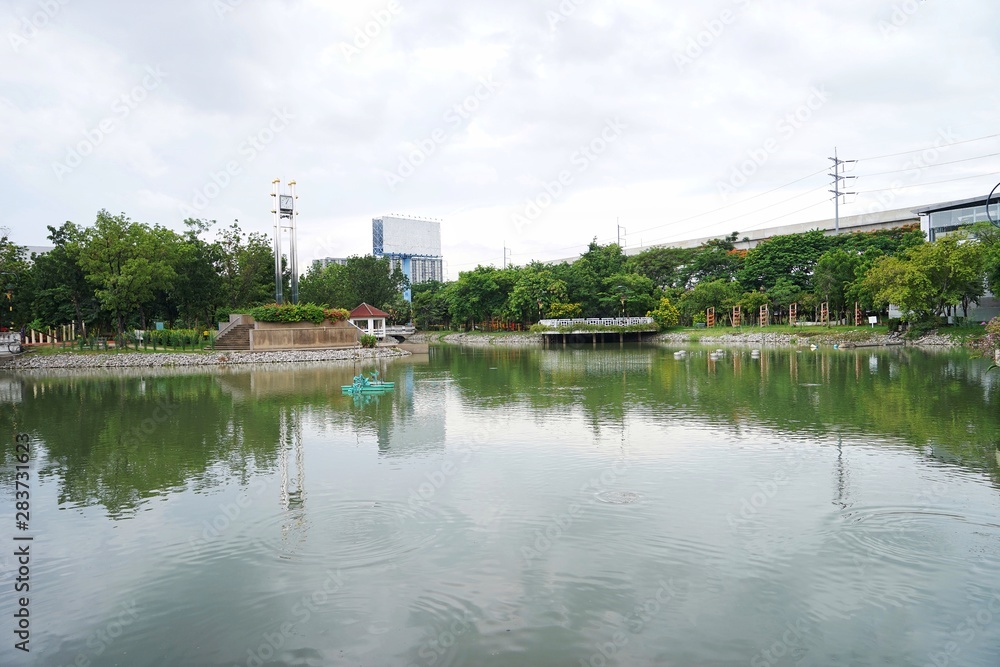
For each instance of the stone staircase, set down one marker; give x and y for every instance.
(235, 338)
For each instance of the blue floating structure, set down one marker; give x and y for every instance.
(367, 385)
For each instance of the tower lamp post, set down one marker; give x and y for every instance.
(285, 209)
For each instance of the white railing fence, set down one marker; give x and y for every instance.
(601, 321)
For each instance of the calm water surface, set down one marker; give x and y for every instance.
(514, 507)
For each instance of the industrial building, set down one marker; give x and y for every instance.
(412, 244)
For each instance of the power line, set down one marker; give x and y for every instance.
(743, 201)
(752, 227)
(918, 185)
(921, 150)
(928, 166)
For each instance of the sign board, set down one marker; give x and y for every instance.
(873, 319)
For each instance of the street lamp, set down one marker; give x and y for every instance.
(988, 200)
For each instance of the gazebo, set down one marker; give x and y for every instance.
(369, 319)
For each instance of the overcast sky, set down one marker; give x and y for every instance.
(531, 123)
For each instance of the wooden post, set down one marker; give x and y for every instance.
(824, 313)
(737, 316)
(793, 312)
(857, 314)
(765, 318)
(710, 317)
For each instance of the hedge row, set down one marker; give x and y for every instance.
(302, 312)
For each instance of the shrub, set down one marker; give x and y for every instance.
(302, 312)
(991, 340)
(368, 340)
(336, 314)
(666, 314)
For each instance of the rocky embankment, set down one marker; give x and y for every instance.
(479, 339)
(157, 360)
(853, 339)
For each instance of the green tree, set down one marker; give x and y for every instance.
(477, 295)
(834, 273)
(197, 288)
(628, 294)
(372, 280)
(327, 285)
(533, 294)
(125, 261)
(246, 268)
(792, 256)
(719, 294)
(929, 280)
(782, 295)
(750, 303)
(14, 281)
(662, 265)
(430, 304)
(716, 259)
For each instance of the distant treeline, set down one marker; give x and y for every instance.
(873, 269)
(118, 274)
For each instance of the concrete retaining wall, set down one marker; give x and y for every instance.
(303, 336)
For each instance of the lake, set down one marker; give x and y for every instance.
(608, 506)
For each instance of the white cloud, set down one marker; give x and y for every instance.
(890, 91)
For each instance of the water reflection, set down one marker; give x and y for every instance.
(140, 433)
(520, 507)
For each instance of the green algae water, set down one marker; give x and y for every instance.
(609, 506)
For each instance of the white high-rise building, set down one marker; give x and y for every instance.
(413, 244)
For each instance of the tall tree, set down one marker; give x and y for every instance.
(13, 280)
(833, 275)
(197, 290)
(61, 290)
(371, 280)
(246, 267)
(662, 265)
(792, 256)
(125, 261)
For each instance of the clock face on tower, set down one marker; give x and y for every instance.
(285, 202)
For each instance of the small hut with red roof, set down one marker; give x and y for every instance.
(369, 319)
